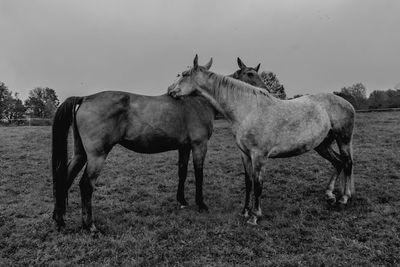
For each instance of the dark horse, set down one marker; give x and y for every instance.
(248, 75)
(144, 124)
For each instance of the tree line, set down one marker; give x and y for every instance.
(356, 94)
(42, 102)
(378, 99)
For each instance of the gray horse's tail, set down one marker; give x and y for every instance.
(63, 119)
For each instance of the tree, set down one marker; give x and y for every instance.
(384, 99)
(17, 108)
(348, 97)
(377, 99)
(273, 84)
(358, 95)
(42, 102)
(393, 98)
(5, 101)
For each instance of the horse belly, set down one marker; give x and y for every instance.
(151, 145)
(146, 135)
(298, 142)
(287, 153)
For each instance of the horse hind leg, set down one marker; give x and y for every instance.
(346, 154)
(87, 185)
(78, 160)
(326, 151)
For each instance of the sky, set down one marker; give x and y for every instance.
(82, 47)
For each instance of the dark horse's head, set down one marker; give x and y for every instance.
(248, 75)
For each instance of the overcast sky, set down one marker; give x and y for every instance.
(82, 47)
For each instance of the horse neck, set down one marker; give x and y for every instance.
(233, 98)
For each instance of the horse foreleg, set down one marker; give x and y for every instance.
(247, 174)
(87, 185)
(199, 153)
(184, 154)
(257, 163)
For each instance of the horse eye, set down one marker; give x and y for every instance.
(250, 74)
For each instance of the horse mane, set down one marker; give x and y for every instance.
(236, 89)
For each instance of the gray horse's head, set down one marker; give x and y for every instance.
(191, 80)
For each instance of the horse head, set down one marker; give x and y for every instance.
(248, 74)
(191, 80)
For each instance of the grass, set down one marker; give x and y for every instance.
(136, 210)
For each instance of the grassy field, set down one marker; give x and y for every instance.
(136, 211)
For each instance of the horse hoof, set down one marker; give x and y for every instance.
(183, 203)
(90, 228)
(252, 221)
(340, 206)
(93, 229)
(343, 200)
(244, 213)
(94, 232)
(60, 227)
(203, 207)
(331, 201)
(59, 221)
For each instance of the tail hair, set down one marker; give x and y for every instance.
(63, 119)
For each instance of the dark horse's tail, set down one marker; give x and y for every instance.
(63, 119)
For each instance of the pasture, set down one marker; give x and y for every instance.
(137, 213)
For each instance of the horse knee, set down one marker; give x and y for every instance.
(347, 165)
(86, 186)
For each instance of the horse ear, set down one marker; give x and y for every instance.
(258, 67)
(196, 62)
(241, 64)
(208, 65)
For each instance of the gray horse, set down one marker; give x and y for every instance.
(267, 127)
